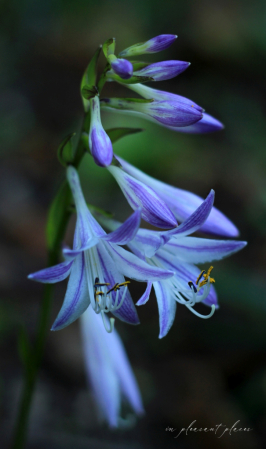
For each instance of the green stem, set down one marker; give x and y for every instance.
(30, 375)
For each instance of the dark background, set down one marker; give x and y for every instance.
(210, 371)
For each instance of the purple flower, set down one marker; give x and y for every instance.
(176, 251)
(207, 124)
(97, 266)
(164, 70)
(139, 195)
(183, 203)
(153, 45)
(99, 142)
(122, 68)
(108, 370)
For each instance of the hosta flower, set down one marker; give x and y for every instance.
(167, 112)
(153, 208)
(97, 266)
(163, 70)
(99, 142)
(108, 370)
(182, 203)
(176, 251)
(153, 45)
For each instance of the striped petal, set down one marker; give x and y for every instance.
(207, 124)
(197, 250)
(135, 268)
(166, 306)
(194, 221)
(76, 299)
(126, 232)
(53, 274)
(146, 295)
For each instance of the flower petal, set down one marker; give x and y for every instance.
(197, 250)
(146, 295)
(99, 354)
(76, 299)
(163, 70)
(153, 45)
(126, 232)
(135, 268)
(195, 221)
(53, 274)
(207, 124)
(72, 253)
(166, 306)
(154, 210)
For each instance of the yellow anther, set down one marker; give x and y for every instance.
(98, 294)
(200, 276)
(206, 277)
(208, 273)
(124, 283)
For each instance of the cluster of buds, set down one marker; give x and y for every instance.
(167, 109)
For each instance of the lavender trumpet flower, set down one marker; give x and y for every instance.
(183, 203)
(175, 250)
(168, 113)
(97, 266)
(153, 45)
(108, 370)
(99, 142)
(164, 70)
(153, 209)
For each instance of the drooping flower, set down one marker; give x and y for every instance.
(182, 203)
(99, 142)
(175, 250)
(108, 370)
(153, 209)
(97, 266)
(153, 45)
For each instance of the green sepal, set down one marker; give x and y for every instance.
(138, 100)
(138, 65)
(90, 75)
(65, 152)
(58, 217)
(133, 80)
(85, 141)
(117, 133)
(25, 349)
(109, 47)
(89, 92)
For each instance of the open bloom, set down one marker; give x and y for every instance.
(97, 266)
(153, 45)
(108, 370)
(182, 203)
(99, 142)
(176, 251)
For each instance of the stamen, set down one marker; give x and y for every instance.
(200, 276)
(192, 286)
(199, 314)
(112, 323)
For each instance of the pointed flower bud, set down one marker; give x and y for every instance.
(153, 209)
(164, 70)
(153, 45)
(168, 113)
(99, 142)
